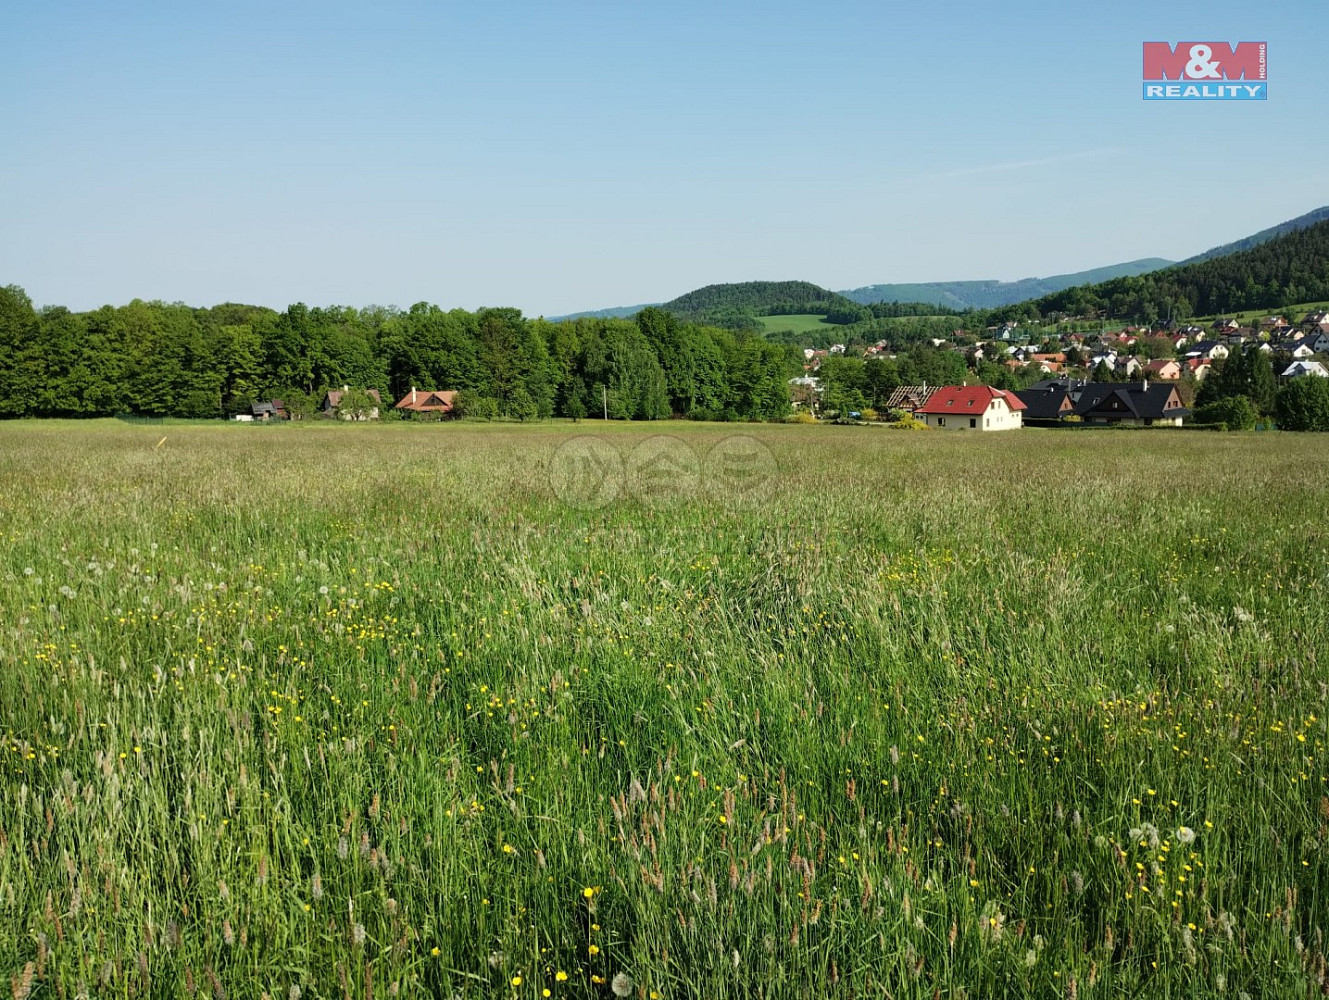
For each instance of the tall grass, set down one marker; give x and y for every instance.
(368, 711)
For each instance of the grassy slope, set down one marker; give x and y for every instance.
(797, 322)
(300, 705)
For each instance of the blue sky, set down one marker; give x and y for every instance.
(563, 156)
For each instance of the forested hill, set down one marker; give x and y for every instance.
(1293, 267)
(734, 305)
(1263, 236)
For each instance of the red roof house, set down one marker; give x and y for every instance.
(417, 401)
(972, 407)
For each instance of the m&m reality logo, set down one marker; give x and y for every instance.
(1205, 71)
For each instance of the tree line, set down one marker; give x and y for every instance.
(170, 359)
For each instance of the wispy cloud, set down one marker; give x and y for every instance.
(1044, 161)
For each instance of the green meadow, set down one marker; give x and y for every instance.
(747, 711)
(797, 323)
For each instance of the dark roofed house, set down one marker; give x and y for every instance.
(1210, 349)
(416, 401)
(1050, 403)
(268, 410)
(1137, 404)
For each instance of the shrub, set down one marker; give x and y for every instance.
(909, 423)
(801, 417)
(1237, 412)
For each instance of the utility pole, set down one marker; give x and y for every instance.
(604, 398)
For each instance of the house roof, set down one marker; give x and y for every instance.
(335, 395)
(1162, 364)
(1142, 400)
(968, 399)
(909, 396)
(1046, 404)
(420, 401)
(1303, 368)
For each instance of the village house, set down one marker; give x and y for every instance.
(805, 391)
(1141, 404)
(1299, 369)
(909, 398)
(1108, 358)
(440, 403)
(1199, 368)
(1051, 402)
(1299, 349)
(273, 409)
(973, 407)
(1318, 340)
(1164, 368)
(1210, 349)
(1127, 366)
(332, 404)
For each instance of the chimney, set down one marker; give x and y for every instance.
(346, 388)
(1144, 385)
(412, 395)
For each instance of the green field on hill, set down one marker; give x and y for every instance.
(736, 711)
(798, 323)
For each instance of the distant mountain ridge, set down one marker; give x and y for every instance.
(988, 294)
(953, 294)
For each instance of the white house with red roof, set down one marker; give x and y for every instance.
(972, 407)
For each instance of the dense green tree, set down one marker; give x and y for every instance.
(1237, 412)
(1262, 384)
(1303, 404)
(356, 404)
(22, 373)
(881, 377)
(300, 405)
